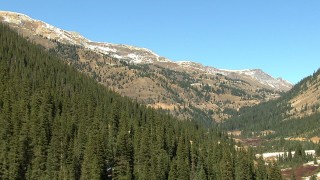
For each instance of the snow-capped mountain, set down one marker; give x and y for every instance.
(130, 53)
(256, 74)
(126, 52)
(260, 76)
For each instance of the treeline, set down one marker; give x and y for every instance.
(299, 157)
(56, 123)
(264, 116)
(280, 144)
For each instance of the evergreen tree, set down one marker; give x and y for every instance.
(173, 170)
(200, 173)
(56, 123)
(226, 166)
(274, 172)
(183, 164)
(124, 157)
(261, 171)
(244, 166)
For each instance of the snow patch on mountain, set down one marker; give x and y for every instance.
(106, 49)
(117, 56)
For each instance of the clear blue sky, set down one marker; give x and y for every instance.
(281, 37)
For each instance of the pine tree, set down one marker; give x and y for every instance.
(226, 166)
(173, 170)
(123, 168)
(274, 172)
(55, 153)
(244, 166)
(183, 164)
(56, 123)
(200, 173)
(160, 167)
(94, 159)
(261, 171)
(289, 155)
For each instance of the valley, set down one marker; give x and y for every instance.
(58, 123)
(186, 89)
(294, 116)
(71, 108)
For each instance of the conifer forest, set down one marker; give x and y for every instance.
(57, 123)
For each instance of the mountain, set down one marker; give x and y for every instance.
(129, 53)
(294, 115)
(56, 123)
(185, 88)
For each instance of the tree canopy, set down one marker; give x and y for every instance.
(56, 123)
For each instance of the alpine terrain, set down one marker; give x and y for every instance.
(57, 123)
(185, 88)
(295, 115)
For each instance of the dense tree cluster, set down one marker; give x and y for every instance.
(56, 123)
(291, 159)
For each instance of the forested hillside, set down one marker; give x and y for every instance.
(56, 123)
(296, 113)
(185, 88)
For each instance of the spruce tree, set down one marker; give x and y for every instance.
(274, 172)
(56, 123)
(226, 166)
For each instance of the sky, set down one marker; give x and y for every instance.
(281, 37)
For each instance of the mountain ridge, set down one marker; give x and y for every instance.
(295, 114)
(57, 123)
(142, 55)
(187, 89)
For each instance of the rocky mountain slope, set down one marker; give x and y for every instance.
(306, 101)
(185, 88)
